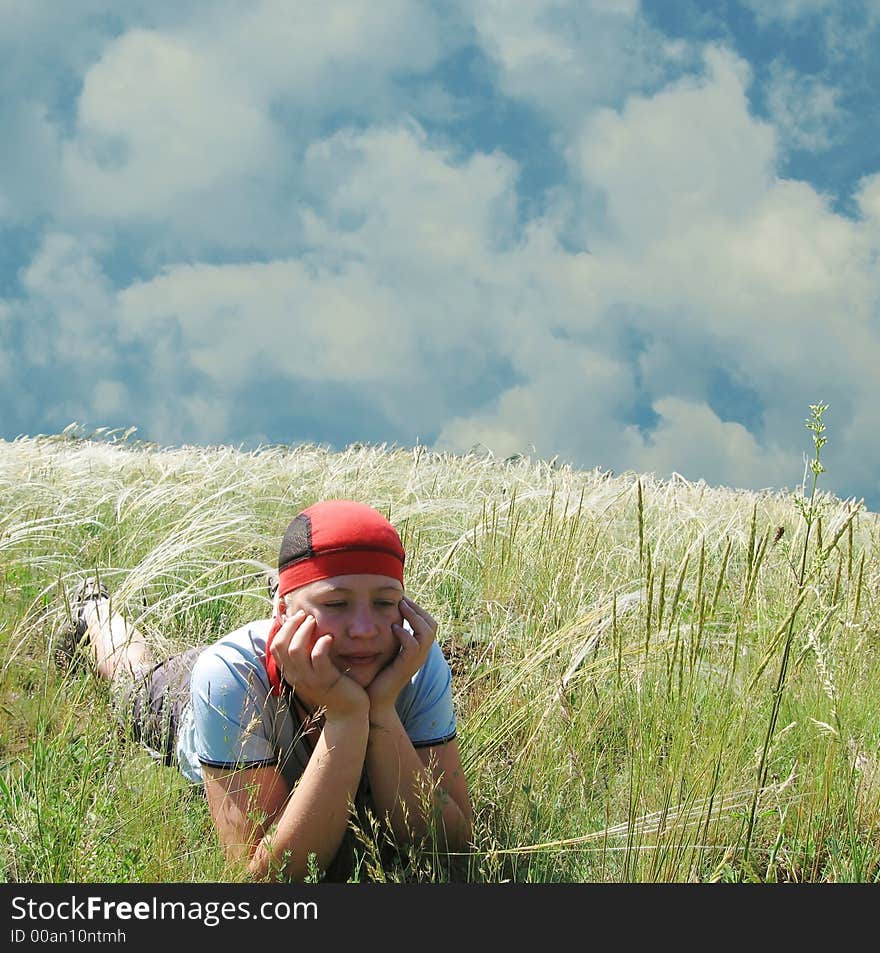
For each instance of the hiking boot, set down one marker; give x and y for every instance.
(67, 651)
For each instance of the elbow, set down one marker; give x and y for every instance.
(265, 867)
(257, 869)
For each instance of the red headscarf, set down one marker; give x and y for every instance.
(333, 538)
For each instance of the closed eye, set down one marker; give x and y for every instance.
(380, 603)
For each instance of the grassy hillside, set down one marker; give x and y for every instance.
(656, 681)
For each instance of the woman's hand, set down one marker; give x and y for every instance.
(414, 648)
(303, 659)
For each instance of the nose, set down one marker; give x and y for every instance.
(362, 623)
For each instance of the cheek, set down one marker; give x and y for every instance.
(324, 619)
(391, 638)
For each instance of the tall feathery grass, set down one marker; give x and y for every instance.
(655, 680)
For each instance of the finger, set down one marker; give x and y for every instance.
(421, 620)
(409, 642)
(303, 640)
(417, 610)
(321, 662)
(281, 641)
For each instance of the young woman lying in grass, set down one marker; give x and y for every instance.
(341, 701)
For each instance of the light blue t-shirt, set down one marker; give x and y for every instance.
(233, 720)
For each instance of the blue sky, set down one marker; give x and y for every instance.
(635, 236)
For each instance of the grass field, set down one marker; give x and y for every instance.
(655, 680)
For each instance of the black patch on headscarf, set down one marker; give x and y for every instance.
(297, 542)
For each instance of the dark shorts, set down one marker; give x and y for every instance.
(150, 704)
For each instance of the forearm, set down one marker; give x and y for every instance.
(405, 791)
(316, 815)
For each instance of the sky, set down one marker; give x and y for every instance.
(638, 236)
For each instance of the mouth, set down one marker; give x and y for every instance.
(359, 660)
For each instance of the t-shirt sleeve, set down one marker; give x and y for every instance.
(228, 702)
(425, 707)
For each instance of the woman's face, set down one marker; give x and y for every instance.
(358, 611)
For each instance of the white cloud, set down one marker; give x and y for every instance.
(804, 109)
(714, 265)
(420, 283)
(387, 297)
(237, 322)
(868, 198)
(386, 192)
(569, 403)
(200, 415)
(565, 56)
(72, 303)
(110, 398)
(203, 123)
(365, 254)
(690, 439)
(159, 124)
(65, 362)
(847, 31)
(323, 56)
(672, 161)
